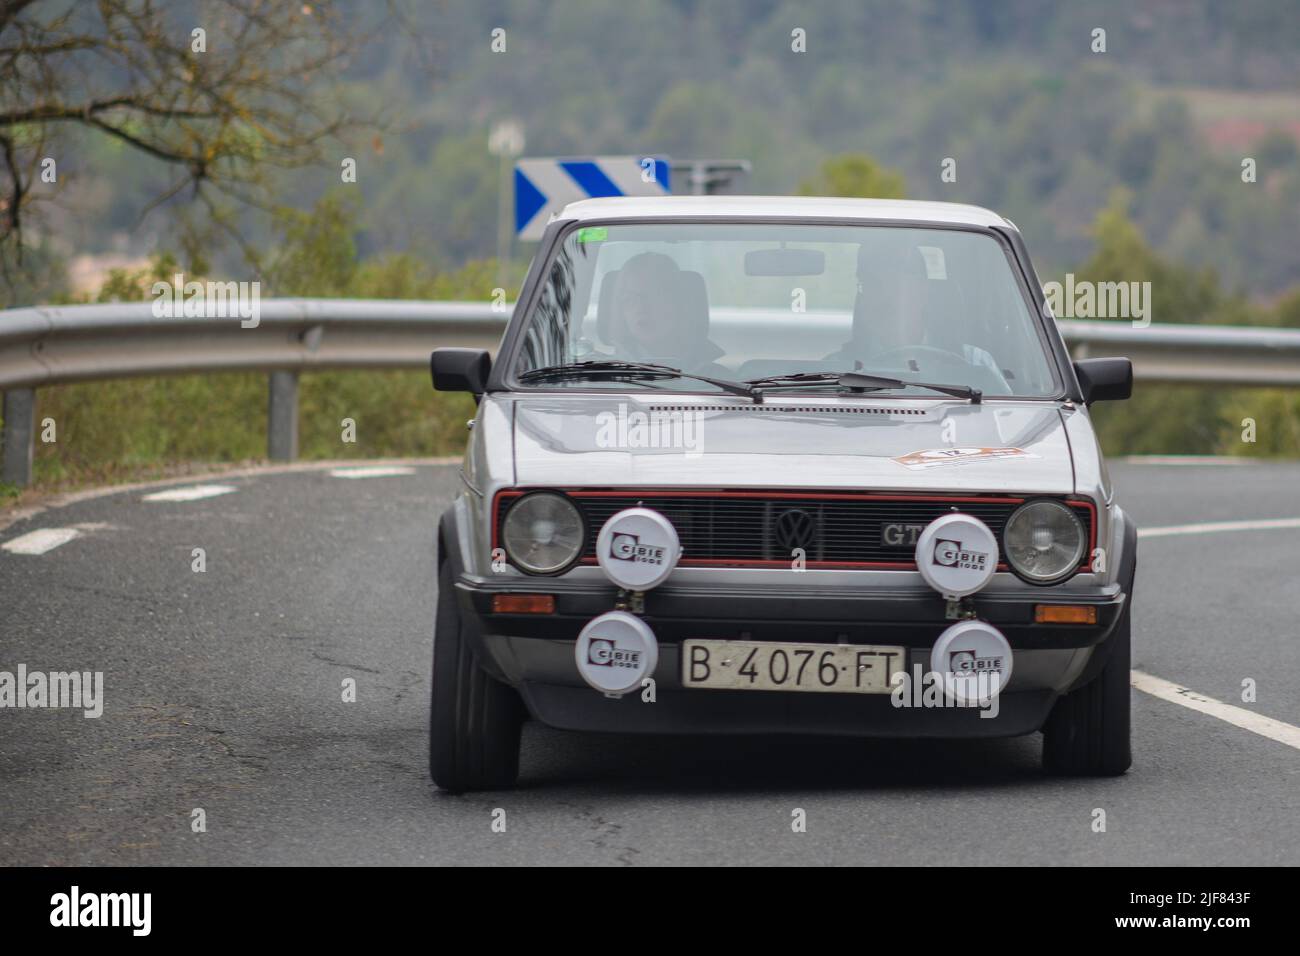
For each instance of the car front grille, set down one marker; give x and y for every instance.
(754, 529)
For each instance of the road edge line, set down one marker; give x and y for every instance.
(1214, 527)
(1268, 727)
(103, 491)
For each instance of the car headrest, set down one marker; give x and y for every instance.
(689, 298)
(693, 305)
(879, 272)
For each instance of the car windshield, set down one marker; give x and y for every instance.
(756, 300)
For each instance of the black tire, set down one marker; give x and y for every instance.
(1087, 733)
(474, 719)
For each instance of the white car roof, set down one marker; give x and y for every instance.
(759, 207)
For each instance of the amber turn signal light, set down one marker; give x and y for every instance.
(523, 604)
(1065, 614)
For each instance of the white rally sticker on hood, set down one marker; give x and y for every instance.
(929, 457)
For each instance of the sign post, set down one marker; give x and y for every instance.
(506, 140)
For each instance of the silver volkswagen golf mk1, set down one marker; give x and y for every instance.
(781, 465)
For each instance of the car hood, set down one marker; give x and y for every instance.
(790, 442)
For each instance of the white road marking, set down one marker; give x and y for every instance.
(12, 515)
(41, 540)
(1237, 716)
(1186, 460)
(1212, 527)
(191, 493)
(372, 471)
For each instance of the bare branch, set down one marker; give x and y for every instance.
(254, 100)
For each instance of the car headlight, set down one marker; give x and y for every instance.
(543, 533)
(1044, 541)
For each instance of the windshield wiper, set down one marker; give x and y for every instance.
(616, 369)
(859, 381)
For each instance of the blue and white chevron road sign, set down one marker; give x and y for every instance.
(544, 186)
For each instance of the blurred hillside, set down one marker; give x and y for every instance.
(1042, 129)
(1117, 165)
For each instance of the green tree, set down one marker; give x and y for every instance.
(1275, 416)
(135, 285)
(1122, 254)
(317, 255)
(1184, 419)
(854, 175)
(691, 119)
(210, 123)
(1287, 311)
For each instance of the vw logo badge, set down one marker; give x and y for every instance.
(794, 529)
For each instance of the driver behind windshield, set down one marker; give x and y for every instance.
(904, 321)
(661, 315)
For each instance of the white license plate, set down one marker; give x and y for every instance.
(759, 665)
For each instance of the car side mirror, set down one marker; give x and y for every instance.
(460, 370)
(1104, 379)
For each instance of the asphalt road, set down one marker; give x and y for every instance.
(223, 693)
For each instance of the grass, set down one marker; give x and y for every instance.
(137, 429)
(129, 430)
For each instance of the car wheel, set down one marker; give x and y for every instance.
(474, 719)
(1087, 732)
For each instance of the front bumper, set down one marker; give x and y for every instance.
(534, 653)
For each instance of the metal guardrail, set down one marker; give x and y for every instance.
(47, 346)
(54, 345)
(1192, 354)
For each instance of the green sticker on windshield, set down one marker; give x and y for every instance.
(592, 234)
